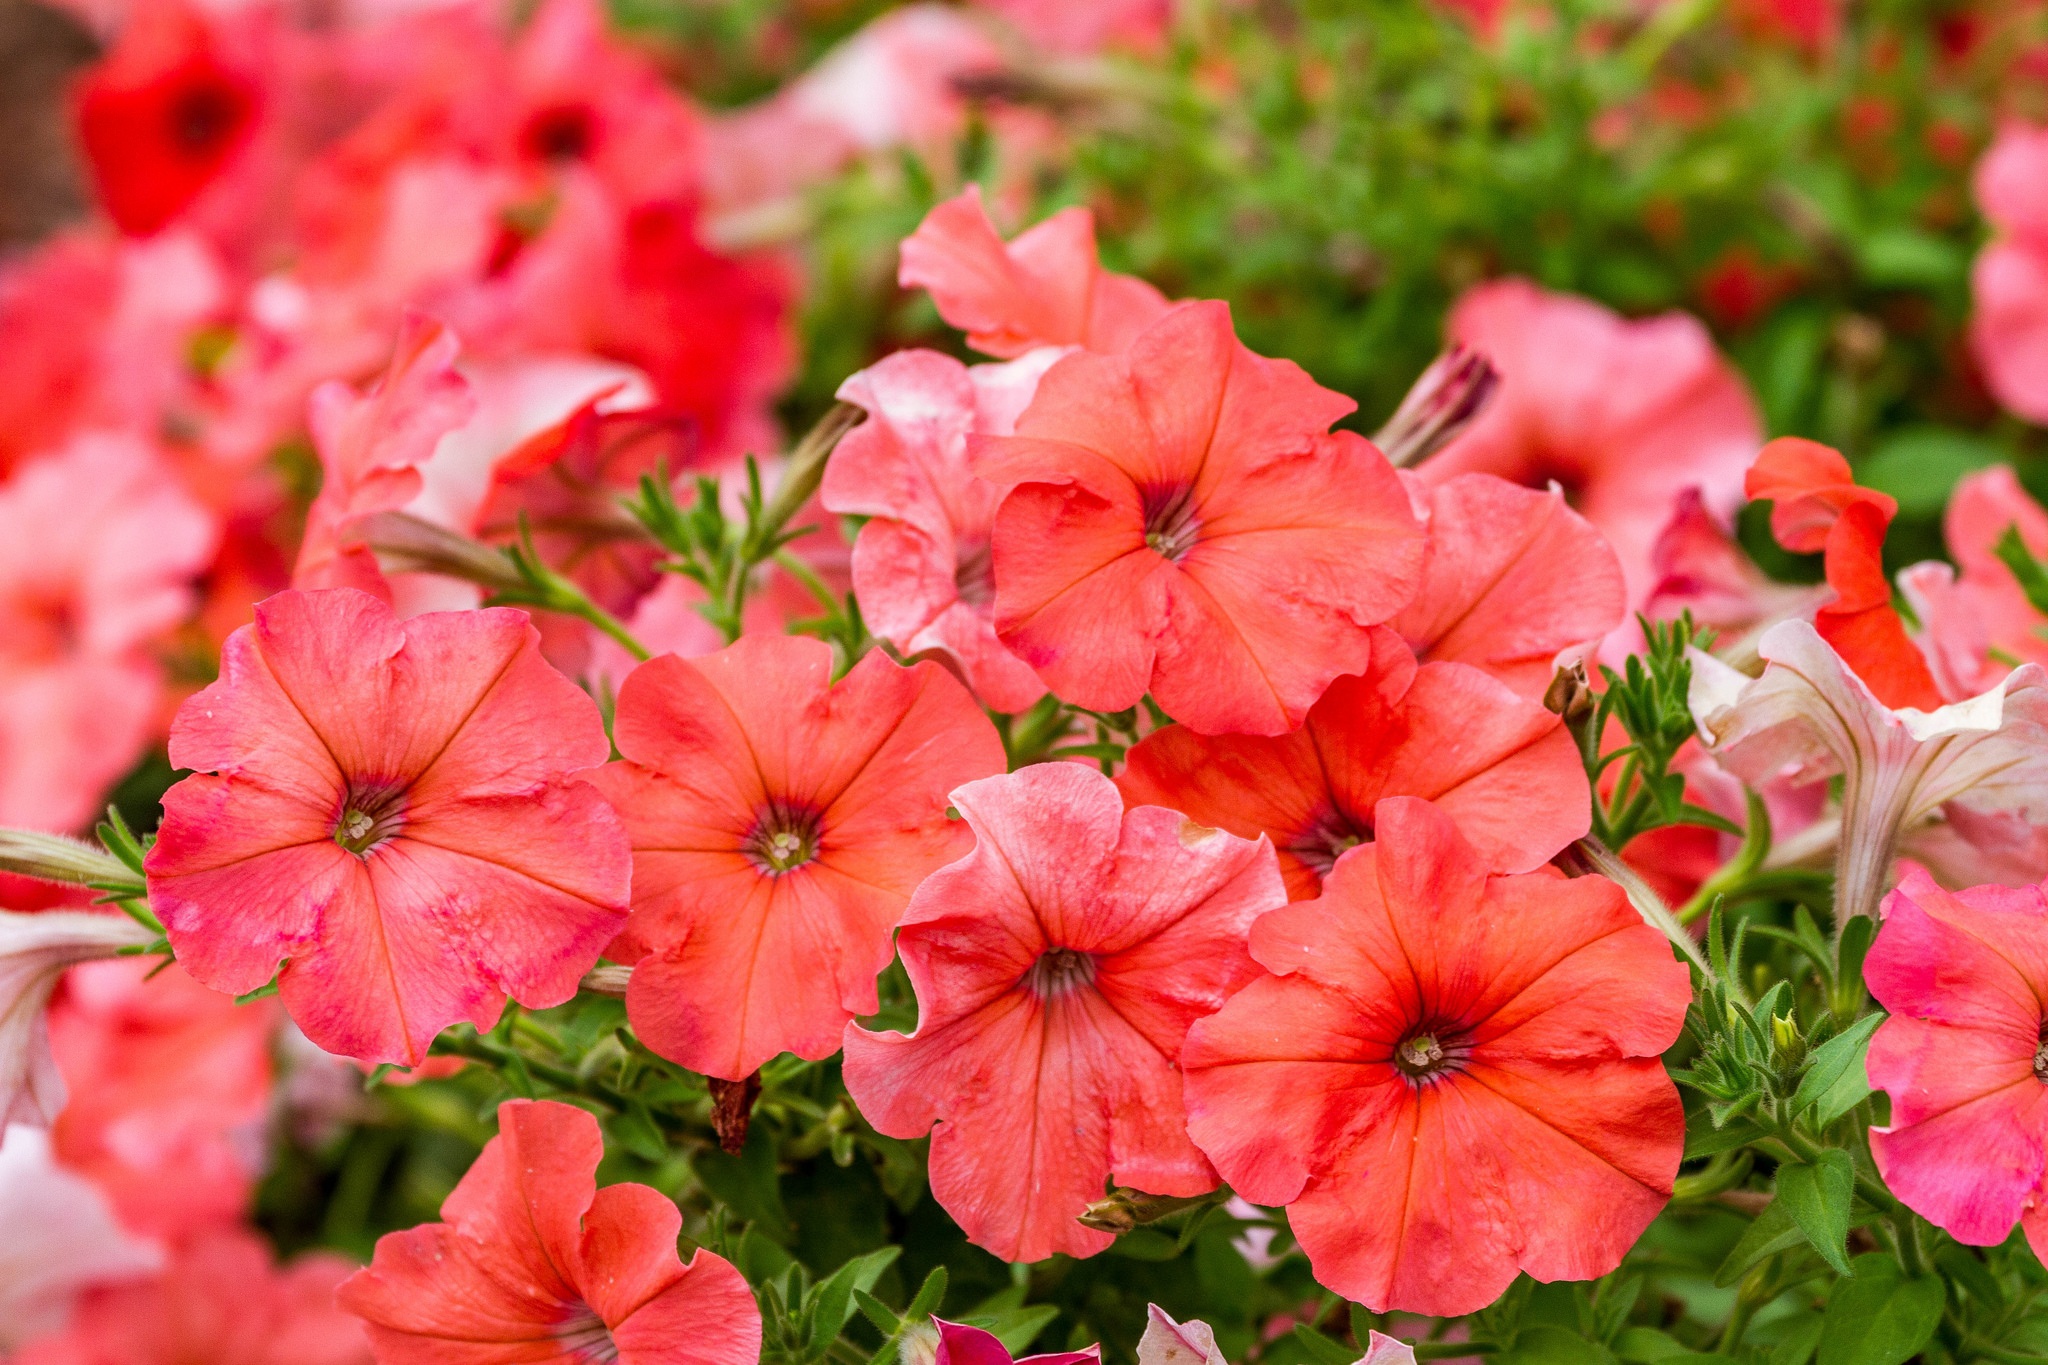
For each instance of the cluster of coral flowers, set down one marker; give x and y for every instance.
(1310, 918)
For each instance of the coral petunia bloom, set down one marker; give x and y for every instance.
(923, 567)
(2009, 281)
(1962, 1056)
(1448, 1077)
(535, 1263)
(162, 117)
(1504, 768)
(171, 1092)
(1977, 615)
(1626, 415)
(390, 810)
(779, 823)
(220, 1300)
(1183, 523)
(1511, 578)
(1057, 970)
(1045, 288)
(1816, 504)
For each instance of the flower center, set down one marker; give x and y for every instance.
(1170, 525)
(783, 839)
(1059, 971)
(371, 812)
(1328, 840)
(203, 117)
(974, 577)
(2041, 1057)
(562, 132)
(584, 1336)
(1428, 1052)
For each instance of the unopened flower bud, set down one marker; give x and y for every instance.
(54, 858)
(1447, 398)
(407, 544)
(1569, 695)
(34, 952)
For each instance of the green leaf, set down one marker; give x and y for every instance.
(835, 1306)
(875, 1311)
(1919, 465)
(1553, 1346)
(1963, 1266)
(1321, 1349)
(1818, 1196)
(1647, 1345)
(1796, 1346)
(1773, 1231)
(1906, 257)
(1709, 1141)
(637, 1132)
(1835, 1082)
(1019, 1327)
(1880, 1317)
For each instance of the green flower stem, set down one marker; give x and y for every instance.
(477, 1048)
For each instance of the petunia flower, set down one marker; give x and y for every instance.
(1448, 1077)
(1504, 768)
(779, 823)
(35, 951)
(171, 1093)
(536, 1263)
(391, 811)
(220, 1299)
(1057, 969)
(922, 566)
(1810, 717)
(955, 1343)
(1182, 523)
(1511, 578)
(1699, 567)
(1816, 505)
(1167, 1342)
(1624, 415)
(1045, 288)
(2009, 280)
(61, 1237)
(1978, 618)
(1963, 1056)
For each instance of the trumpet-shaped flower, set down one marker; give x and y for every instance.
(1045, 288)
(1501, 766)
(1181, 522)
(779, 823)
(922, 566)
(1447, 1077)
(391, 811)
(35, 951)
(221, 1300)
(1625, 415)
(1962, 1056)
(61, 1237)
(1511, 578)
(536, 1263)
(1811, 717)
(1057, 970)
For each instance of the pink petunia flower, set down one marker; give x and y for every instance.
(220, 1299)
(61, 1238)
(1167, 1342)
(1057, 969)
(1080, 27)
(171, 1088)
(99, 547)
(1962, 1056)
(1449, 1077)
(1181, 522)
(923, 565)
(1511, 578)
(1045, 288)
(1977, 616)
(1505, 769)
(954, 1343)
(2009, 281)
(1625, 415)
(390, 811)
(535, 1263)
(779, 823)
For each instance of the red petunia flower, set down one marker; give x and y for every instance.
(1963, 1057)
(1449, 1077)
(1045, 288)
(1505, 769)
(390, 810)
(779, 823)
(162, 117)
(1183, 523)
(1511, 578)
(536, 1263)
(923, 567)
(1057, 970)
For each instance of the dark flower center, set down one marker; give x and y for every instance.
(2041, 1055)
(1428, 1051)
(974, 576)
(1059, 971)
(203, 117)
(783, 839)
(371, 812)
(583, 1336)
(1170, 525)
(561, 133)
(1328, 840)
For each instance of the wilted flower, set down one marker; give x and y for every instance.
(35, 950)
